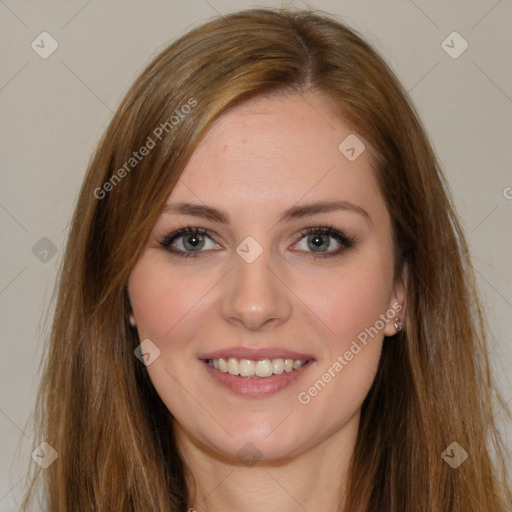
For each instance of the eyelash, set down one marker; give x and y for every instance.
(345, 241)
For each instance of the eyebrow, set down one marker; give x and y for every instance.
(293, 213)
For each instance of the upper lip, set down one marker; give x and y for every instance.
(255, 354)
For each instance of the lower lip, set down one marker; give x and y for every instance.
(257, 387)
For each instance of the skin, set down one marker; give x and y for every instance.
(258, 159)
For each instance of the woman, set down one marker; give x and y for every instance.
(266, 300)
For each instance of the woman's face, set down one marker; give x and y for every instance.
(265, 280)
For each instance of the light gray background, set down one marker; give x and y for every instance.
(54, 110)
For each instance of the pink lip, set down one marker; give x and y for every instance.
(256, 387)
(255, 354)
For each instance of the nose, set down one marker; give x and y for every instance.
(255, 295)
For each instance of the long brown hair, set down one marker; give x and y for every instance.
(97, 407)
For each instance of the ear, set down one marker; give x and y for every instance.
(133, 322)
(397, 305)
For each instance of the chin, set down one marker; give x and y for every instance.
(250, 443)
(250, 450)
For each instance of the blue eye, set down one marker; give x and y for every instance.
(193, 240)
(320, 239)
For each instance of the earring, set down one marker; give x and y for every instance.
(398, 324)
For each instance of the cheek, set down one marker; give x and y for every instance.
(352, 299)
(160, 299)
(340, 383)
(355, 306)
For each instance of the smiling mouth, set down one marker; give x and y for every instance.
(259, 369)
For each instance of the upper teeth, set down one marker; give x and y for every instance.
(261, 368)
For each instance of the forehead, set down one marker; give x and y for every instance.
(270, 152)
